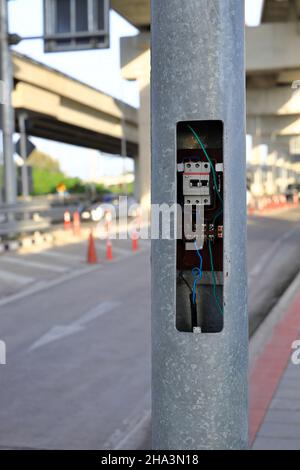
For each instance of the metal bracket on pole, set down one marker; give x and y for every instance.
(199, 381)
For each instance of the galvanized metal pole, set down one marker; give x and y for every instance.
(23, 137)
(6, 70)
(199, 383)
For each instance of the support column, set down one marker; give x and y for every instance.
(144, 167)
(6, 76)
(259, 156)
(199, 381)
(135, 58)
(269, 153)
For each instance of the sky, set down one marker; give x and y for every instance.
(26, 19)
(253, 11)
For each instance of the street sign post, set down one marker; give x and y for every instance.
(24, 148)
(72, 25)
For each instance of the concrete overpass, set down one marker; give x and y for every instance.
(136, 12)
(273, 108)
(67, 110)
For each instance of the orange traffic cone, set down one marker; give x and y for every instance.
(109, 254)
(67, 220)
(135, 243)
(76, 223)
(92, 257)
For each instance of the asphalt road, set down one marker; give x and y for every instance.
(84, 383)
(273, 260)
(78, 337)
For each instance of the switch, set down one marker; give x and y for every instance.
(196, 183)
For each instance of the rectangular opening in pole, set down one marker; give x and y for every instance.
(200, 244)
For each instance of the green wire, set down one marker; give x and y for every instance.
(209, 161)
(214, 278)
(214, 220)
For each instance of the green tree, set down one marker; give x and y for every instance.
(40, 159)
(47, 175)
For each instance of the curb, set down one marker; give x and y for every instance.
(270, 352)
(35, 240)
(264, 332)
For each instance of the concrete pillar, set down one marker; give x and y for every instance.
(135, 60)
(258, 157)
(268, 158)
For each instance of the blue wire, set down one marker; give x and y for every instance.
(197, 274)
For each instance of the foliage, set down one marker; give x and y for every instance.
(46, 182)
(118, 189)
(46, 176)
(40, 159)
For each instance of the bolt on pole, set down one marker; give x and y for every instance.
(6, 76)
(199, 381)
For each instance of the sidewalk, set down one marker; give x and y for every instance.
(274, 379)
(274, 382)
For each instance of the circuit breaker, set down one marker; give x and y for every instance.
(200, 193)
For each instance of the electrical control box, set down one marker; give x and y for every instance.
(200, 195)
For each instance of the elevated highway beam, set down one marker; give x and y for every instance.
(273, 125)
(278, 45)
(136, 12)
(64, 109)
(275, 101)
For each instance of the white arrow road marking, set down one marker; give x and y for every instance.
(56, 333)
(62, 331)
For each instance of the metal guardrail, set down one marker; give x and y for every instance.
(29, 217)
(23, 226)
(23, 208)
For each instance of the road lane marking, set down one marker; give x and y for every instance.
(17, 278)
(62, 331)
(133, 430)
(66, 256)
(34, 264)
(270, 253)
(68, 276)
(46, 284)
